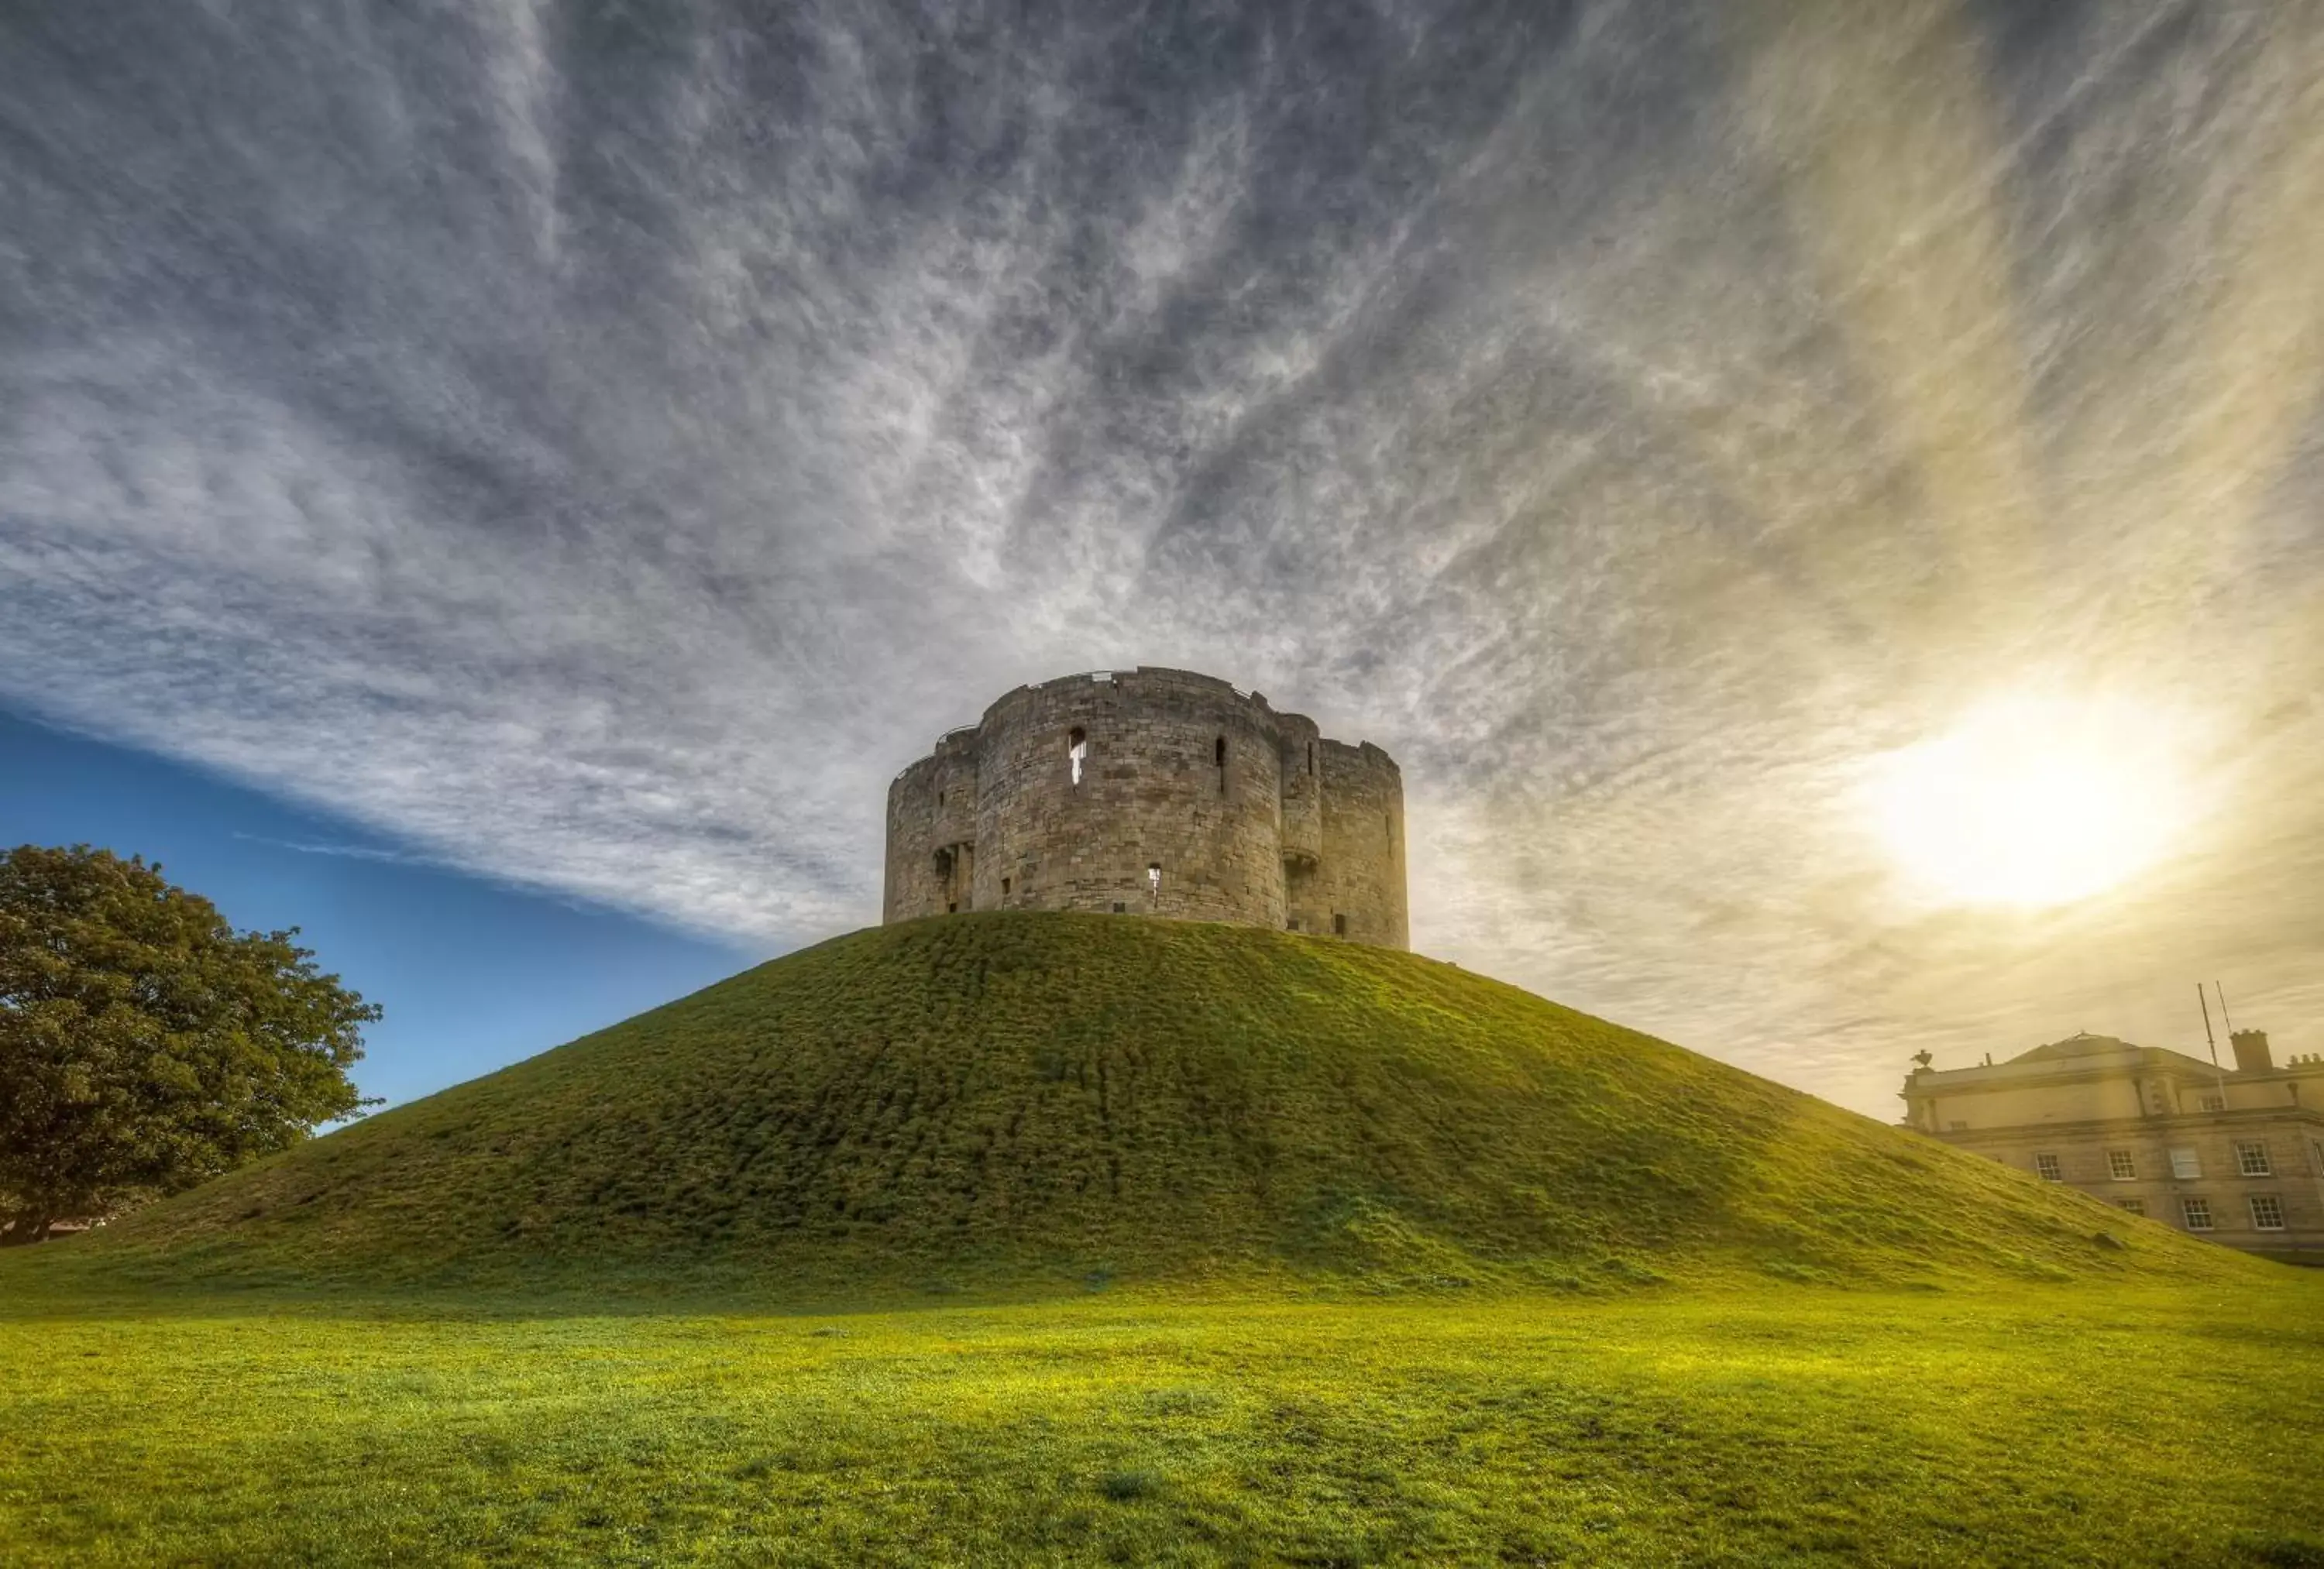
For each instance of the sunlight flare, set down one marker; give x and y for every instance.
(2035, 801)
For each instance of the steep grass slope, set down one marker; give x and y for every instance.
(1022, 1102)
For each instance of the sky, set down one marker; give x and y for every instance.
(473, 973)
(1727, 453)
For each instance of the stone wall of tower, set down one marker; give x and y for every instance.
(1149, 791)
(1358, 888)
(1303, 791)
(1177, 775)
(932, 830)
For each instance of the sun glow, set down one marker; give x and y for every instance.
(2034, 802)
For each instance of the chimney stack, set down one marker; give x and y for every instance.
(2252, 1055)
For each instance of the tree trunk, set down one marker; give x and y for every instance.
(26, 1228)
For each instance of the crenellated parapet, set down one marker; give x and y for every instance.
(1151, 791)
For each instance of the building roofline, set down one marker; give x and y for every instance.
(2025, 1065)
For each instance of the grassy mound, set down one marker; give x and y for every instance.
(1015, 1103)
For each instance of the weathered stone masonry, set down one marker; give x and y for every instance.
(1152, 792)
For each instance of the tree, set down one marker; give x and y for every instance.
(146, 1045)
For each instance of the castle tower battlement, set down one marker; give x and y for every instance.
(1151, 791)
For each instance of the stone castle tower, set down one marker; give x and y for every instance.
(1153, 793)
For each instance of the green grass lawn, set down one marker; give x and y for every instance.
(1171, 1242)
(2036, 1424)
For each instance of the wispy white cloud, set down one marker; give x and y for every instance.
(600, 447)
(353, 852)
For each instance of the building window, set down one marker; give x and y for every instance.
(2251, 1159)
(2121, 1167)
(2046, 1168)
(1076, 749)
(1119, 908)
(1339, 925)
(2267, 1212)
(1311, 758)
(1957, 1127)
(2135, 1206)
(1004, 887)
(1219, 755)
(1154, 878)
(2198, 1212)
(2186, 1165)
(953, 908)
(2214, 1103)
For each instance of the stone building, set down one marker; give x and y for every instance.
(1155, 792)
(2232, 1154)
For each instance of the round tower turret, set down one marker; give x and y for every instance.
(1150, 792)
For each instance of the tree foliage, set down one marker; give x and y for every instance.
(146, 1045)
